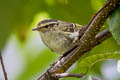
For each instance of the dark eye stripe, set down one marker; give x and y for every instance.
(46, 26)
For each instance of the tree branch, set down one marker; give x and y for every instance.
(3, 67)
(85, 43)
(60, 75)
(100, 37)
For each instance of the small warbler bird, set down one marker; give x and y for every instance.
(58, 35)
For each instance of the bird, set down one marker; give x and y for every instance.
(59, 36)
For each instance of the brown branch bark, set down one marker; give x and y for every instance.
(3, 67)
(86, 42)
(60, 75)
(100, 37)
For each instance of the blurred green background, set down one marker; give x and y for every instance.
(26, 57)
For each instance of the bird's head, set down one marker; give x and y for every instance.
(46, 25)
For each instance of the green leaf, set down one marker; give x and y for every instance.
(88, 62)
(114, 25)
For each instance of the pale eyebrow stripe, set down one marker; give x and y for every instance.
(47, 21)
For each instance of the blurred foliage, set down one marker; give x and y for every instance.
(19, 16)
(114, 21)
(87, 63)
(35, 66)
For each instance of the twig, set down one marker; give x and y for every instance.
(3, 67)
(61, 75)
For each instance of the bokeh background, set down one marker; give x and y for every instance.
(25, 55)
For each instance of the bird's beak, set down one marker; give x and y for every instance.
(36, 29)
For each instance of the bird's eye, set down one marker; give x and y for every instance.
(46, 26)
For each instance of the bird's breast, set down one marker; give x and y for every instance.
(56, 41)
